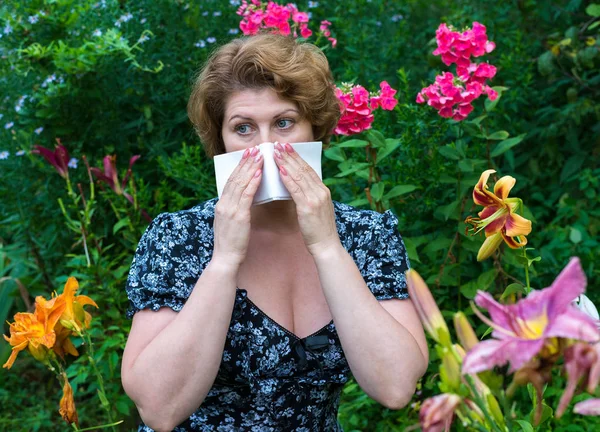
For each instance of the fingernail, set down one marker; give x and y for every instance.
(278, 154)
(246, 153)
(283, 170)
(289, 148)
(257, 158)
(278, 146)
(254, 151)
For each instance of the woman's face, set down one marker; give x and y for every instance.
(253, 117)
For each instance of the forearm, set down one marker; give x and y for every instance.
(175, 372)
(384, 357)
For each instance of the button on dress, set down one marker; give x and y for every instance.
(269, 379)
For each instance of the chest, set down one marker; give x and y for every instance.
(281, 279)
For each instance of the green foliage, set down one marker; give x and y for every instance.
(104, 84)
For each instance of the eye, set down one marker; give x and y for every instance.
(242, 129)
(282, 123)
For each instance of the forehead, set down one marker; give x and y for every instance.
(255, 102)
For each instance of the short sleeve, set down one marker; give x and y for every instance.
(385, 258)
(165, 266)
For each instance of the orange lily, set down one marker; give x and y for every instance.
(74, 317)
(498, 218)
(63, 343)
(67, 404)
(35, 331)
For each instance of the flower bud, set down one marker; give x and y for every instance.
(466, 335)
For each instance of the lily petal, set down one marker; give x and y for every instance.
(570, 283)
(503, 186)
(480, 197)
(517, 225)
(574, 324)
(490, 353)
(498, 312)
(514, 242)
(588, 407)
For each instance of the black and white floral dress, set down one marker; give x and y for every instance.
(269, 379)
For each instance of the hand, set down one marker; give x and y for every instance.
(316, 215)
(232, 212)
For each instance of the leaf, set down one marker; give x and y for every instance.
(411, 250)
(390, 145)
(359, 202)
(353, 143)
(498, 135)
(525, 425)
(546, 63)
(399, 190)
(376, 138)
(512, 289)
(491, 104)
(593, 10)
(335, 153)
(449, 152)
(355, 168)
(575, 235)
(572, 167)
(377, 191)
(505, 145)
(123, 222)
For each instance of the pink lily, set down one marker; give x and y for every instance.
(59, 158)
(110, 176)
(588, 407)
(579, 359)
(521, 330)
(437, 412)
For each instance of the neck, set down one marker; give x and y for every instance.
(278, 217)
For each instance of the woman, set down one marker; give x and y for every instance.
(253, 317)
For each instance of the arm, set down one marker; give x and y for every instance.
(385, 345)
(168, 368)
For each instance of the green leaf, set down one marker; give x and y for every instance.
(449, 152)
(376, 138)
(491, 104)
(512, 289)
(505, 145)
(546, 63)
(335, 153)
(123, 222)
(525, 425)
(498, 135)
(391, 144)
(593, 10)
(575, 235)
(359, 202)
(377, 191)
(400, 190)
(355, 168)
(411, 250)
(353, 143)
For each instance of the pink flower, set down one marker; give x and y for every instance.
(110, 176)
(437, 412)
(59, 158)
(579, 359)
(455, 47)
(386, 98)
(522, 329)
(588, 407)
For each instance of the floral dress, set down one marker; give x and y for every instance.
(269, 379)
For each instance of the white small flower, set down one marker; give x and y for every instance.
(313, 4)
(200, 44)
(126, 17)
(8, 125)
(143, 38)
(1, 115)
(233, 31)
(234, 2)
(378, 23)
(39, 130)
(205, 13)
(72, 163)
(396, 18)
(97, 32)
(143, 21)
(7, 29)
(309, 15)
(20, 153)
(217, 13)
(4, 154)
(211, 39)
(33, 19)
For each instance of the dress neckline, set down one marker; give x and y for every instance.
(244, 294)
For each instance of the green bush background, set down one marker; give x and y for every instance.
(115, 94)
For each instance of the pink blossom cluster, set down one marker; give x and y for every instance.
(324, 27)
(357, 106)
(451, 95)
(256, 15)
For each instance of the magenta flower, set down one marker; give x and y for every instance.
(59, 158)
(437, 412)
(386, 99)
(455, 47)
(110, 177)
(579, 360)
(522, 329)
(588, 407)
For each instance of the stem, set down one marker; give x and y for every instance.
(101, 392)
(527, 287)
(506, 405)
(97, 427)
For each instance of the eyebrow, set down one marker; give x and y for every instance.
(274, 117)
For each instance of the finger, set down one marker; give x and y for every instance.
(250, 190)
(242, 176)
(299, 170)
